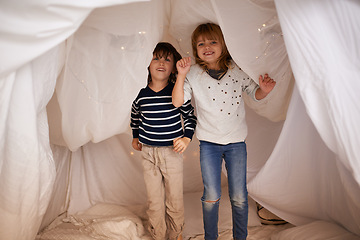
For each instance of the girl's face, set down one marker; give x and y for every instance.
(161, 67)
(209, 51)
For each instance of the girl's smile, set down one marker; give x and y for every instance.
(209, 51)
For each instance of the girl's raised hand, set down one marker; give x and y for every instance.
(183, 65)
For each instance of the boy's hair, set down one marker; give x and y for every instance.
(210, 31)
(164, 49)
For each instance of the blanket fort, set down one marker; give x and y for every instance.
(69, 71)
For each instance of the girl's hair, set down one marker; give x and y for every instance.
(164, 49)
(210, 31)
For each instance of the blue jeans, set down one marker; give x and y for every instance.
(235, 156)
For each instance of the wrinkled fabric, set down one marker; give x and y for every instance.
(91, 59)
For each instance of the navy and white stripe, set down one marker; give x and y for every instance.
(155, 120)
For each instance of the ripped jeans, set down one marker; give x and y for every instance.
(235, 157)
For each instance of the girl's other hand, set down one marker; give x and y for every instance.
(266, 83)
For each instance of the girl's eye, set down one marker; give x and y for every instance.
(155, 58)
(168, 59)
(213, 42)
(200, 44)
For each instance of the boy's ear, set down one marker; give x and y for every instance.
(174, 70)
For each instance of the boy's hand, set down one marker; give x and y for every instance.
(136, 144)
(183, 66)
(180, 144)
(266, 84)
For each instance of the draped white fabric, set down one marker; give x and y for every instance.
(90, 58)
(325, 55)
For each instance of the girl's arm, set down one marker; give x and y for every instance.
(183, 67)
(189, 119)
(266, 86)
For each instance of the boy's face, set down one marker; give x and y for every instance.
(209, 50)
(161, 67)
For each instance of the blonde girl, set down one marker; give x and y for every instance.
(217, 85)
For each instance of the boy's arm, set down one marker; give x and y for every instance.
(136, 144)
(183, 67)
(180, 144)
(134, 124)
(189, 118)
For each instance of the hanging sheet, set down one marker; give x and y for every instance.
(302, 157)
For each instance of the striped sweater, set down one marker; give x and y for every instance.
(155, 120)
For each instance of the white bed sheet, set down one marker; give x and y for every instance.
(111, 221)
(116, 222)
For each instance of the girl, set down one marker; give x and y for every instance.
(217, 85)
(158, 133)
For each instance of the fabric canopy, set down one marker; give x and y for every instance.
(70, 70)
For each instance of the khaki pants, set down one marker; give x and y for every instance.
(163, 175)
